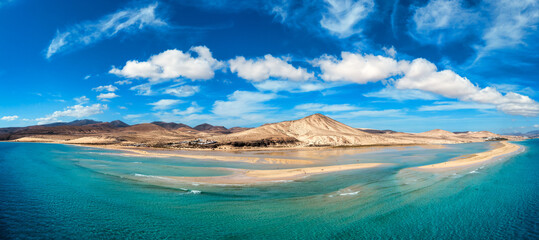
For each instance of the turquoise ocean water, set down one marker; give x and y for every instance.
(50, 191)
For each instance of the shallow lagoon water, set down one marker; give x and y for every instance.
(58, 191)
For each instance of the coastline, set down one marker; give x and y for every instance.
(245, 176)
(504, 148)
(240, 176)
(225, 155)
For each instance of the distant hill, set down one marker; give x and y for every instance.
(85, 126)
(205, 127)
(313, 130)
(171, 125)
(73, 123)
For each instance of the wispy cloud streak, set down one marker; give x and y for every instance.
(87, 33)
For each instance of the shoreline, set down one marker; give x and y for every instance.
(503, 149)
(241, 176)
(223, 154)
(246, 177)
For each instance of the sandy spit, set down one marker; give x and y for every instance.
(501, 149)
(245, 176)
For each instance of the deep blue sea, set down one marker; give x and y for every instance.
(51, 191)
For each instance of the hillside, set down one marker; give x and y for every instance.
(315, 129)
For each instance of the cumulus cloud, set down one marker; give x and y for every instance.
(421, 75)
(80, 35)
(441, 21)
(76, 111)
(82, 99)
(9, 118)
(268, 67)
(357, 68)
(107, 96)
(183, 91)
(165, 104)
(108, 88)
(318, 107)
(343, 16)
(172, 64)
(241, 103)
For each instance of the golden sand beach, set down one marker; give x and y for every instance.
(500, 149)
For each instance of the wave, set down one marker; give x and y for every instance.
(349, 194)
(150, 176)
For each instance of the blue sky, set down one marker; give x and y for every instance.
(402, 65)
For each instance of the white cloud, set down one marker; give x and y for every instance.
(318, 107)
(82, 99)
(449, 106)
(536, 125)
(343, 16)
(106, 96)
(194, 108)
(76, 111)
(165, 104)
(87, 33)
(277, 86)
(134, 116)
(390, 51)
(401, 95)
(183, 91)
(357, 68)
(242, 103)
(143, 89)
(512, 23)
(172, 64)
(87, 77)
(108, 88)
(123, 82)
(442, 20)
(423, 75)
(268, 67)
(9, 118)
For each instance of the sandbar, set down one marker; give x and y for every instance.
(246, 176)
(501, 149)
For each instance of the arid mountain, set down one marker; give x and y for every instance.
(313, 130)
(172, 125)
(78, 127)
(73, 123)
(208, 128)
(438, 133)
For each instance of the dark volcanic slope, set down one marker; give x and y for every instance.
(171, 125)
